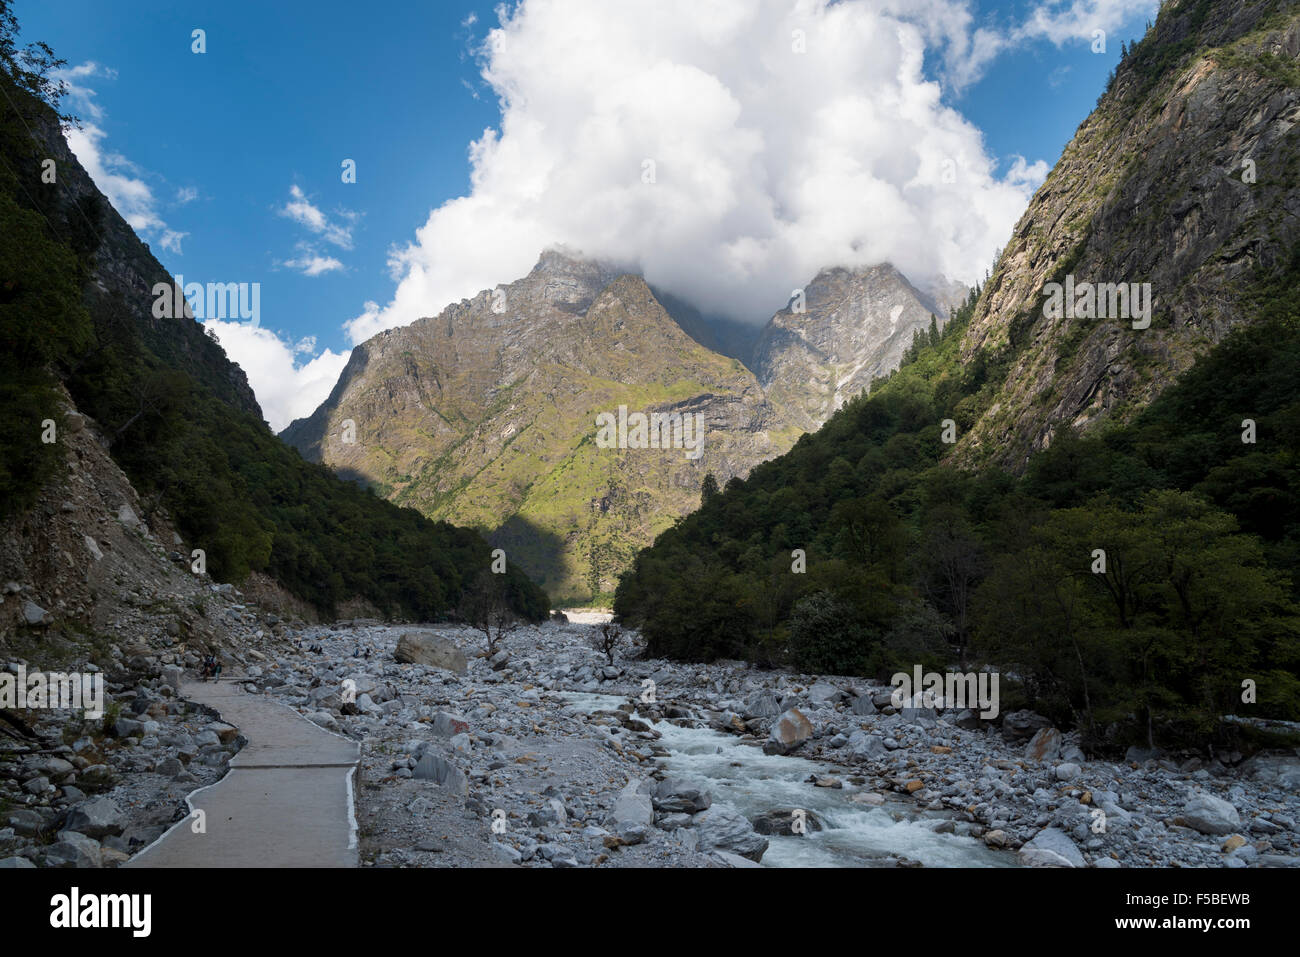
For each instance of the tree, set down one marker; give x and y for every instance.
(30, 68)
(708, 489)
(606, 638)
(951, 563)
(827, 636)
(485, 606)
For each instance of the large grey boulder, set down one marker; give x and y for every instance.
(1044, 746)
(863, 705)
(99, 817)
(1051, 848)
(824, 695)
(723, 828)
(1211, 815)
(435, 768)
(34, 615)
(782, 821)
(74, 850)
(426, 648)
(678, 795)
(1282, 770)
(865, 747)
(1019, 725)
(172, 676)
(448, 725)
(633, 806)
(761, 704)
(788, 732)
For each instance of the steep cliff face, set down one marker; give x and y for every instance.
(854, 325)
(1184, 178)
(125, 273)
(487, 415)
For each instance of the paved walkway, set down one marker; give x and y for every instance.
(286, 801)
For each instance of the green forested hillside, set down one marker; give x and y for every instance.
(910, 560)
(1106, 512)
(75, 308)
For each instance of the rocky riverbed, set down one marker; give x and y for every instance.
(545, 755)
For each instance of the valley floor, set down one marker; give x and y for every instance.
(549, 756)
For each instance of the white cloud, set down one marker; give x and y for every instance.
(313, 264)
(1062, 21)
(186, 194)
(171, 240)
(116, 176)
(301, 211)
(285, 389)
(769, 164)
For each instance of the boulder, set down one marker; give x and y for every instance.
(734, 860)
(862, 705)
(99, 817)
(1051, 847)
(1019, 725)
(788, 732)
(74, 850)
(680, 795)
(1067, 771)
(25, 822)
(448, 725)
(823, 695)
(633, 806)
(723, 828)
(1045, 745)
(1211, 815)
(761, 704)
(34, 615)
(440, 771)
(781, 821)
(1282, 770)
(426, 648)
(865, 747)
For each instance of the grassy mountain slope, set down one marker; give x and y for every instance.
(486, 415)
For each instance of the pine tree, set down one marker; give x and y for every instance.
(708, 489)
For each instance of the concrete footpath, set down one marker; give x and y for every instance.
(285, 802)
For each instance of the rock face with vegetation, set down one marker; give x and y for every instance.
(1184, 177)
(82, 346)
(486, 415)
(852, 326)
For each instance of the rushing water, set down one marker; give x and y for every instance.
(854, 835)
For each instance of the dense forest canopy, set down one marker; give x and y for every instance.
(908, 560)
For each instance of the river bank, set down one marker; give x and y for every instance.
(545, 754)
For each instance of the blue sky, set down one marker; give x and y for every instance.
(229, 162)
